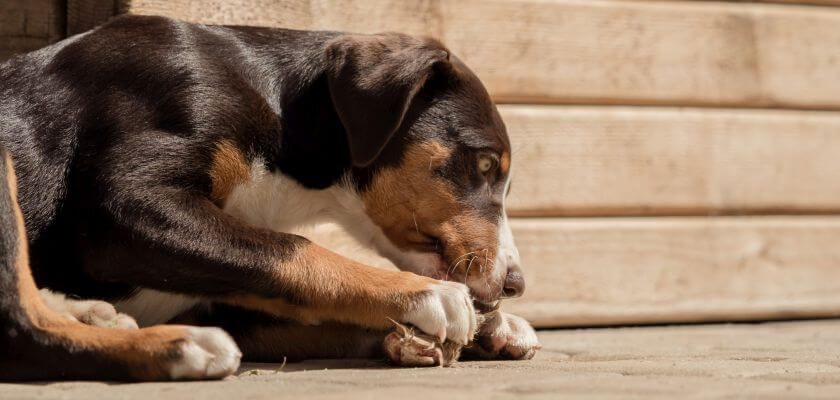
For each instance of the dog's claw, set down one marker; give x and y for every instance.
(406, 348)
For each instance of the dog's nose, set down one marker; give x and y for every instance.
(514, 282)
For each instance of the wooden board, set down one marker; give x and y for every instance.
(576, 161)
(28, 25)
(808, 2)
(83, 15)
(616, 271)
(662, 270)
(32, 18)
(587, 51)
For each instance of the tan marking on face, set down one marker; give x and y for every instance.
(229, 168)
(504, 164)
(409, 201)
(145, 354)
(474, 244)
(336, 288)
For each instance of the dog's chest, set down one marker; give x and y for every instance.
(275, 201)
(267, 200)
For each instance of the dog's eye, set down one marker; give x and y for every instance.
(486, 163)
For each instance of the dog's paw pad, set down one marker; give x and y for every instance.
(208, 353)
(406, 348)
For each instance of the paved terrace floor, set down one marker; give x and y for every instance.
(771, 360)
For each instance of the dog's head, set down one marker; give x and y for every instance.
(431, 159)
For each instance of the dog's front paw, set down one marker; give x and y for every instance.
(407, 348)
(504, 336)
(206, 353)
(445, 311)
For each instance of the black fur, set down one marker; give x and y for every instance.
(113, 133)
(20, 338)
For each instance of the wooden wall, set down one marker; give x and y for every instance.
(673, 160)
(29, 24)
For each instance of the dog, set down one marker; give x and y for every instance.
(158, 166)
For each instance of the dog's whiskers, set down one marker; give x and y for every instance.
(414, 217)
(454, 267)
(467, 274)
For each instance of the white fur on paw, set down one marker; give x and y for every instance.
(445, 312)
(209, 353)
(510, 336)
(90, 312)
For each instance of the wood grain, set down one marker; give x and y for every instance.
(806, 2)
(83, 15)
(582, 161)
(590, 52)
(615, 271)
(32, 18)
(28, 25)
(663, 270)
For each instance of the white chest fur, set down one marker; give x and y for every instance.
(272, 201)
(277, 202)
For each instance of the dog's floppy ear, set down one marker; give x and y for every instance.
(372, 80)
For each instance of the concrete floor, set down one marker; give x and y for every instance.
(772, 360)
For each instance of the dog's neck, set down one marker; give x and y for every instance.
(286, 69)
(275, 201)
(305, 177)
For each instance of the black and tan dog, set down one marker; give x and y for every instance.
(159, 164)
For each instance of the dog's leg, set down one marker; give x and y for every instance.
(38, 343)
(266, 339)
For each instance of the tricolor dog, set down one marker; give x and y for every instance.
(158, 167)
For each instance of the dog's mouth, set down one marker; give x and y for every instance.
(448, 271)
(484, 307)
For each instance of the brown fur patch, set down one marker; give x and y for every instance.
(338, 289)
(229, 168)
(409, 202)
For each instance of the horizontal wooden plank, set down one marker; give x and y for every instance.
(28, 25)
(807, 2)
(661, 270)
(83, 15)
(32, 18)
(617, 271)
(574, 161)
(590, 51)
